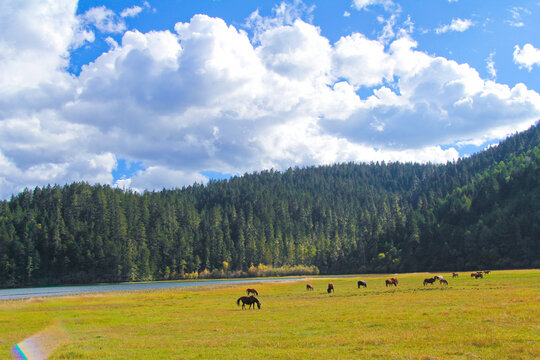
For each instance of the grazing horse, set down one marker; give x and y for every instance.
(362, 283)
(438, 277)
(455, 275)
(487, 271)
(392, 281)
(309, 287)
(477, 275)
(443, 281)
(330, 288)
(252, 291)
(248, 300)
(429, 281)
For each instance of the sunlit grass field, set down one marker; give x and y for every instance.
(497, 317)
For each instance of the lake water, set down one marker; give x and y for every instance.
(7, 294)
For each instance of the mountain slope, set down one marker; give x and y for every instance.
(479, 212)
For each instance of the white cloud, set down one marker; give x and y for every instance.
(346, 14)
(444, 99)
(517, 13)
(135, 10)
(527, 57)
(361, 61)
(283, 14)
(206, 97)
(458, 25)
(105, 20)
(158, 177)
(131, 12)
(34, 40)
(490, 66)
(364, 4)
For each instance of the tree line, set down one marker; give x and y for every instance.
(480, 212)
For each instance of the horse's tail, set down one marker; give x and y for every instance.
(238, 301)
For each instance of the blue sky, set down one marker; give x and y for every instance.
(161, 94)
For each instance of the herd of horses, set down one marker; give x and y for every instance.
(251, 300)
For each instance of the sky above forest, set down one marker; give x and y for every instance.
(155, 94)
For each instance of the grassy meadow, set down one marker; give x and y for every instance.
(497, 317)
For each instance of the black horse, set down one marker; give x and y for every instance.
(429, 281)
(252, 291)
(330, 288)
(362, 283)
(248, 300)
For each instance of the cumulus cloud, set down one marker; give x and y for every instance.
(34, 41)
(206, 96)
(361, 61)
(527, 57)
(445, 99)
(458, 25)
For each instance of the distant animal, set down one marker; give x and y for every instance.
(455, 275)
(429, 281)
(248, 300)
(443, 281)
(394, 280)
(438, 277)
(252, 291)
(330, 288)
(487, 271)
(477, 275)
(309, 287)
(362, 283)
(391, 282)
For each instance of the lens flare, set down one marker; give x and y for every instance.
(40, 345)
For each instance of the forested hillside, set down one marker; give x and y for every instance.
(479, 212)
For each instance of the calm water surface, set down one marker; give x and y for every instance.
(7, 294)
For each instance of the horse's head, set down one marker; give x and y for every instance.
(259, 304)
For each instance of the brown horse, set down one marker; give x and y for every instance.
(309, 287)
(443, 281)
(455, 274)
(429, 281)
(330, 288)
(252, 291)
(248, 300)
(362, 283)
(392, 281)
(487, 271)
(477, 275)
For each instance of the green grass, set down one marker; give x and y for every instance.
(497, 317)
